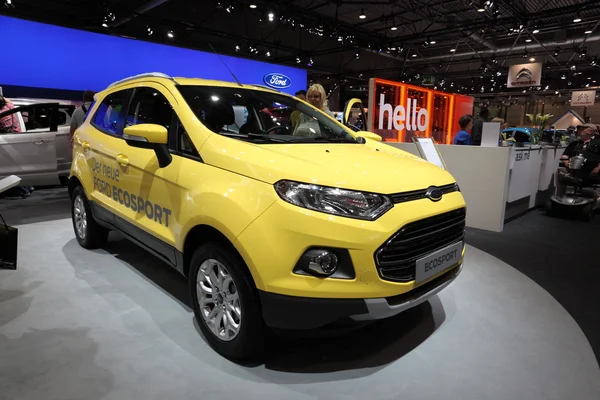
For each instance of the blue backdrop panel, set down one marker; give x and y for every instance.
(48, 56)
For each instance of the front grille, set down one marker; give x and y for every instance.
(396, 259)
(421, 193)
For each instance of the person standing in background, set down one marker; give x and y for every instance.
(80, 112)
(9, 123)
(484, 114)
(295, 116)
(462, 137)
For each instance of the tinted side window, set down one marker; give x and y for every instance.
(108, 117)
(149, 106)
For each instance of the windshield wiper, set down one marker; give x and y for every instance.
(266, 138)
(322, 140)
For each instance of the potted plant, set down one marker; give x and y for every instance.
(538, 123)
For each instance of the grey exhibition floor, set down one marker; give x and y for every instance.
(115, 324)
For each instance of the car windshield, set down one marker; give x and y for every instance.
(262, 117)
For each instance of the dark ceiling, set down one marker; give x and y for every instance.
(467, 45)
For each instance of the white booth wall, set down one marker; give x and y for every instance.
(498, 183)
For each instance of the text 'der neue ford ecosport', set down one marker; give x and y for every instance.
(287, 223)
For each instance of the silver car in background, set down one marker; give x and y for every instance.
(41, 153)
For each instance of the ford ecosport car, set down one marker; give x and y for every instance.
(280, 226)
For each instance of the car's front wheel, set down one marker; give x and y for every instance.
(89, 234)
(225, 302)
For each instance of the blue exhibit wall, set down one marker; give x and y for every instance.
(48, 56)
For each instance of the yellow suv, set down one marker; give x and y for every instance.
(274, 225)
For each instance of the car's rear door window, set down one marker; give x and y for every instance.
(109, 118)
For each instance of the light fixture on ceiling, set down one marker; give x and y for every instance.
(577, 19)
(563, 77)
(268, 54)
(362, 14)
(556, 52)
(298, 60)
(528, 40)
(535, 30)
(149, 30)
(588, 32)
(237, 47)
(170, 34)
(252, 5)
(394, 28)
(271, 16)
(452, 50)
(310, 62)
(532, 59)
(414, 55)
(432, 41)
(481, 7)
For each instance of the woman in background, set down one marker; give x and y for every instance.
(307, 125)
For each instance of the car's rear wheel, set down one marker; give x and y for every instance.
(89, 234)
(225, 302)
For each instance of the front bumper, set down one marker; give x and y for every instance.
(272, 245)
(290, 312)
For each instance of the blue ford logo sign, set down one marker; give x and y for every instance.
(434, 194)
(277, 81)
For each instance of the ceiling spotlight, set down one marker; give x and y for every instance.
(104, 24)
(252, 5)
(532, 59)
(268, 54)
(310, 62)
(271, 16)
(237, 47)
(150, 31)
(563, 77)
(481, 7)
(589, 31)
(432, 41)
(362, 14)
(170, 34)
(230, 8)
(394, 28)
(298, 60)
(452, 50)
(577, 19)
(535, 30)
(556, 92)
(414, 55)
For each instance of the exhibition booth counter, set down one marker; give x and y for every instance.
(498, 183)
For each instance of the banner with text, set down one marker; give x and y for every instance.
(524, 75)
(583, 98)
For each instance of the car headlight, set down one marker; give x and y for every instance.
(346, 203)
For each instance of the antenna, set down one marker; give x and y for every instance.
(225, 64)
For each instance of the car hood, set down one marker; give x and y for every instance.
(373, 167)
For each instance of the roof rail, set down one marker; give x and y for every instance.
(145, 75)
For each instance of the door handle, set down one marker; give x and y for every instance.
(86, 146)
(123, 160)
(41, 141)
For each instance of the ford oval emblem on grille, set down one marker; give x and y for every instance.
(434, 194)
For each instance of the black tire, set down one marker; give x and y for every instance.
(249, 341)
(94, 235)
(64, 180)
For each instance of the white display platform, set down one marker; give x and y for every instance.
(490, 178)
(9, 182)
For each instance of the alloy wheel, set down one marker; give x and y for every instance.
(80, 216)
(219, 300)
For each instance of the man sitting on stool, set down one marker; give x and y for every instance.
(585, 144)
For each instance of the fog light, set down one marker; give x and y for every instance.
(325, 263)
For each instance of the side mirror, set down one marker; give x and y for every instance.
(369, 135)
(145, 135)
(150, 136)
